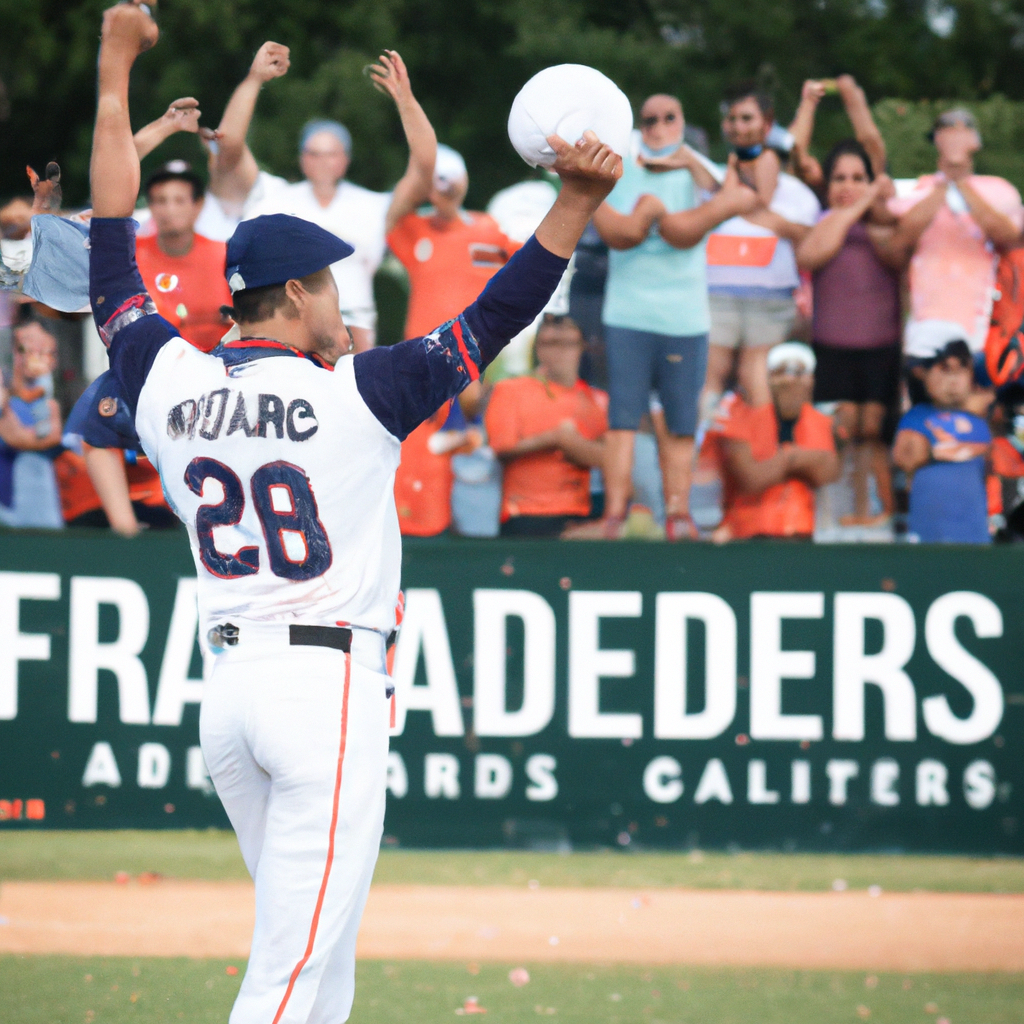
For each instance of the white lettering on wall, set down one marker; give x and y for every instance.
(800, 782)
(671, 719)
(175, 689)
(885, 773)
(663, 780)
(770, 664)
(714, 784)
(588, 663)
(852, 669)
(540, 770)
(757, 784)
(931, 784)
(839, 774)
(976, 678)
(121, 656)
(979, 784)
(16, 646)
(441, 776)
(492, 777)
(101, 768)
(154, 766)
(424, 629)
(398, 777)
(491, 609)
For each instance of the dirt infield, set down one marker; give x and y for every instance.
(888, 932)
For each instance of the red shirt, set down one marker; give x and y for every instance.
(448, 264)
(188, 290)
(785, 509)
(543, 483)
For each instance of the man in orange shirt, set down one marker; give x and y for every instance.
(775, 455)
(183, 271)
(548, 430)
(450, 254)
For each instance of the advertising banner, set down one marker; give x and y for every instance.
(788, 696)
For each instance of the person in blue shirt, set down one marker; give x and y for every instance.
(655, 314)
(945, 448)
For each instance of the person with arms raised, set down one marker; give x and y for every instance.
(278, 451)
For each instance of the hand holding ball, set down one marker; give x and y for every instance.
(567, 100)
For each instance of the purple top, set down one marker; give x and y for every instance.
(856, 297)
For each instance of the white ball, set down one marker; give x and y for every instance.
(568, 100)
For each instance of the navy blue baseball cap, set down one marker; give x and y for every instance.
(278, 248)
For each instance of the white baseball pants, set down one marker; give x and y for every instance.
(296, 743)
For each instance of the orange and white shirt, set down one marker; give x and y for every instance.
(785, 509)
(188, 290)
(742, 255)
(543, 483)
(449, 264)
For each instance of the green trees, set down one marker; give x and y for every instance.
(468, 58)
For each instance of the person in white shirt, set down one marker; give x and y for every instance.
(363, 218)
(237, 185)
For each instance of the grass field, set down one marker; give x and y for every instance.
(95, 990)
(64, 990)
(41, 856)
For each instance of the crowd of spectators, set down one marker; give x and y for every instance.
(774, 346)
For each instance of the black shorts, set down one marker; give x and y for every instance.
(856, 374)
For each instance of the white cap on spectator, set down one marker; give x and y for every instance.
(448, 169)
(792, 352)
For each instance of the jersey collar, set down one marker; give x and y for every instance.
(246, 350)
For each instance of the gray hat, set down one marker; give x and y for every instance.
(951, 118)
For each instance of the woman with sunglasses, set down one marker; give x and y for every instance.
(656, 305)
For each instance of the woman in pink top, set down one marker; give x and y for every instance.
(856, 260)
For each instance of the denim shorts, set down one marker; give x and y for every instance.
(640, 362)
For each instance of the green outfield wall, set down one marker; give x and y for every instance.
(634, 694)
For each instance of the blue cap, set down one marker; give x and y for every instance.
(339, 131)
(278, 248)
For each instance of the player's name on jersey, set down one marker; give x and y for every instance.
(225, 412)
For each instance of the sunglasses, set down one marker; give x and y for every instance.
(654, 119)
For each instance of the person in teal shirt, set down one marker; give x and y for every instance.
(655, 313)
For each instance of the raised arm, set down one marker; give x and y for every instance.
(233, 170)
(802, 125)
(864, 127)
(687, 228)
(124, 312)
(408, 382)
(181, 116)
(391, 76)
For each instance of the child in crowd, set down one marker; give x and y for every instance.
(30, 426)
(946, 449)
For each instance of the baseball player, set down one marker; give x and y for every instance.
(278, 450)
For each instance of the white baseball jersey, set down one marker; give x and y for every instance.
(284, 478)
(281, 466)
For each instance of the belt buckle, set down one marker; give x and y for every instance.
(223, 636)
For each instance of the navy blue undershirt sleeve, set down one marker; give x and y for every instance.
(513, 298)
(407, 383)
(125, 315)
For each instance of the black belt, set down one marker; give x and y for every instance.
(337, 637)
